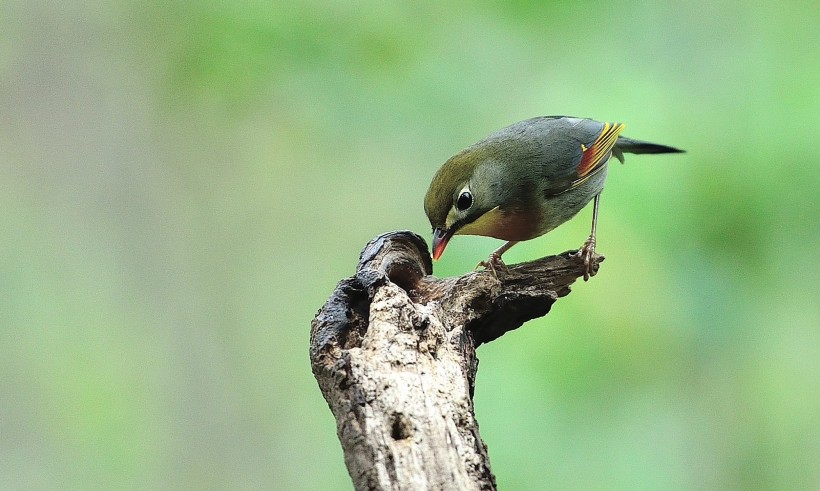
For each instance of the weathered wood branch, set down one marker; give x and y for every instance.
(393, 350)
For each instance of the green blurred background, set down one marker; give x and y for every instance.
(183, 184)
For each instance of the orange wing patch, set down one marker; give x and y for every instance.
(598, 153)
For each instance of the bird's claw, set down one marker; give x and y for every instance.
(587, 253)
(493, 262)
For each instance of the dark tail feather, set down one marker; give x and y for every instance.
(627, 145)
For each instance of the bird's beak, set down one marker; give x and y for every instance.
(440, 239)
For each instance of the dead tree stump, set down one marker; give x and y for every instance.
(393, 351)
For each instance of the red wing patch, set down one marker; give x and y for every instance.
(598, 153)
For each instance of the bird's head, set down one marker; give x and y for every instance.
(464, 197)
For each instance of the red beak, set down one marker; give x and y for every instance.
(440, 239)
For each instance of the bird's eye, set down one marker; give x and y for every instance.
(465, 200)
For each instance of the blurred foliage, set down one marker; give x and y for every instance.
(184, 183)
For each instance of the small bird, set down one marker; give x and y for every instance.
(526, 179)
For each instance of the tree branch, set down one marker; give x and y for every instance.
(393, 351)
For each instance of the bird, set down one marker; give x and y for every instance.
(525, 180)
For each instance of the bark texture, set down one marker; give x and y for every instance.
(393, 351)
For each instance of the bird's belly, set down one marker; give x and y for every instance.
(562, 207)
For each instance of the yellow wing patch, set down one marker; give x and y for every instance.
(594, 156)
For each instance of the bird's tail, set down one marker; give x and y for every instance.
(628, 145)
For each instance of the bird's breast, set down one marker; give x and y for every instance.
(512, 223)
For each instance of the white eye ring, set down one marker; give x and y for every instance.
(465, 200)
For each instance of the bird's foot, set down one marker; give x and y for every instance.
(493, 263)
(587, 254)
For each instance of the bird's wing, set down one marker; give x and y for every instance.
(591, 158)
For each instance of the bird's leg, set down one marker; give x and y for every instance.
(495, 257)
(587, 251)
